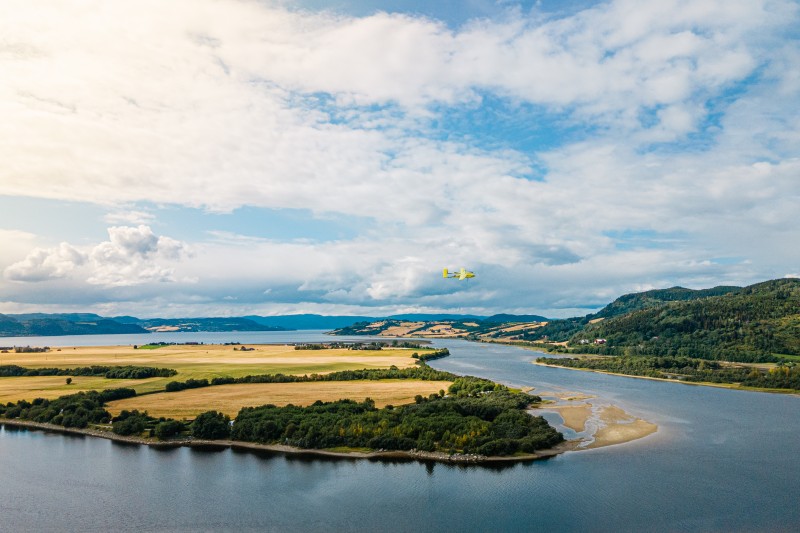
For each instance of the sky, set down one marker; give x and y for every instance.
(236, 157)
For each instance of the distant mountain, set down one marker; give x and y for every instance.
(432, 317)
(71, 317)
(506, 318)
(307, 321)
(311, 321)
(126, 319)
(48, 325)
(205, 324)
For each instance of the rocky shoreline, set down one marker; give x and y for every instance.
(418, 455)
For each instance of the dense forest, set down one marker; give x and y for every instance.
(688, 369)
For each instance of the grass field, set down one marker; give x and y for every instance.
(210, 361)
(229, 399)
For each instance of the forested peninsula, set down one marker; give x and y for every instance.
(475, 419)
(780, 378)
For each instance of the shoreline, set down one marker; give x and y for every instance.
(421, 456)
(729, 386)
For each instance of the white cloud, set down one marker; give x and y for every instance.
(46, 263)
(134, 255)
(221, 104)
(131, 256)
(178, 109)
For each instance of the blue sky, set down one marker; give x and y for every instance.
(232, 157)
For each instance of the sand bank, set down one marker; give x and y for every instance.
(596, 425)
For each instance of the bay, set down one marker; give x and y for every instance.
(722, 460)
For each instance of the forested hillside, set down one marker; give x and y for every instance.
(33, 325)
(758, 323)
(563, 330)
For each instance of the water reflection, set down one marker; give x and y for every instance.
(715, 449)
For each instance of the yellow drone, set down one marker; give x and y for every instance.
(461, 274)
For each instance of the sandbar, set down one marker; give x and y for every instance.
(601, 425)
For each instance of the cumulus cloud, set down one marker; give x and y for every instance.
(46, 263)
(131, 256)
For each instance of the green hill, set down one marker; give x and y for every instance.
(657, 298)
(564, 330)
(759, 323)
(43, 325)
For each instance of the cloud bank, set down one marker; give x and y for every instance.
(568, 159)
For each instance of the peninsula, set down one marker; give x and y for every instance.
(369, 400)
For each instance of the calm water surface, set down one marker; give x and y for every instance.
(721, 461)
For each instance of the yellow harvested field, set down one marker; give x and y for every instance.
(522, 327)
(229, 399)
(404, 328)
(206, 361)
(442, 330)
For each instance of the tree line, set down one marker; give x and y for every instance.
(110, 372)
(430, 356)
(783, 376)
(421, 372)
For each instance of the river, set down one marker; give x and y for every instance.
(722, 460)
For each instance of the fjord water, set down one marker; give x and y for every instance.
(722, 460)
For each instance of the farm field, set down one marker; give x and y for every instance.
(191, 362)
(229, 399)
(13, 389)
